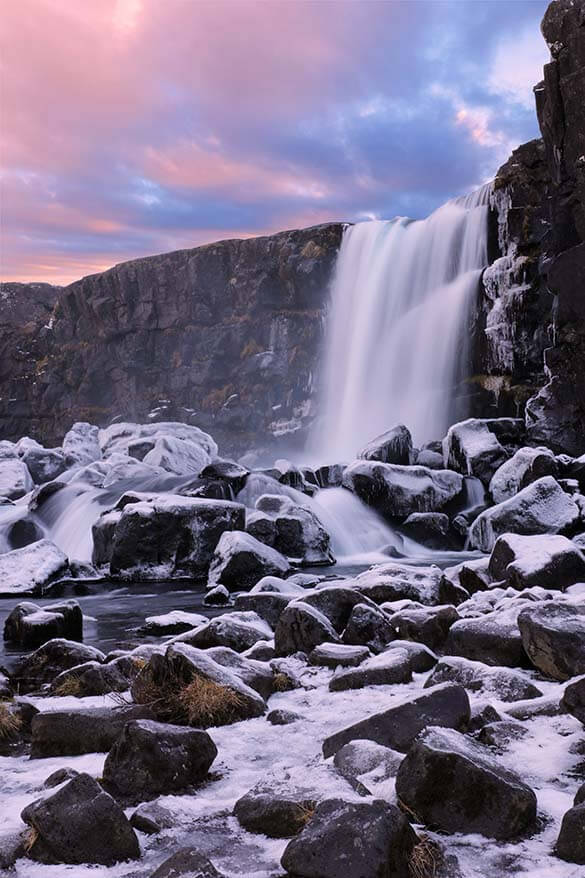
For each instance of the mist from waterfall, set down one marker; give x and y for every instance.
(395, 341)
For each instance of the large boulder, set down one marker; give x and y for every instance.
(570, 844)
(96, 678)
(471, 448)
(277, 813)
(525, 466)
(44, 464)
(30, 626)
(162, 535)
(431, 529)
(446, 705)
(429, 625)
(187, 863)
(455, 784)
(43, 665)
(393, 446)
(553, 635)
(15, 479)
(298, 533)
(370, 839)
(89, 730)
(398, 491)
(151, 759)
(301, 628)
(80, 823)
(238, 631)
(493, 638)
(381, 670)
(501, 683)
(550, 561)
(268, 605)
(32, 569)
(240, 561)
(573, 701)
(81, 445)
(393, 581)
(369, 626)
(540, 508)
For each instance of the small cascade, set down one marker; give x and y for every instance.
(355, 529)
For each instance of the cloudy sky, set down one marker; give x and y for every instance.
(132, 127)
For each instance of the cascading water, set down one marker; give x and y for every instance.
(395, 341)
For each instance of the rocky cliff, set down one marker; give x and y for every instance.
(225, 335)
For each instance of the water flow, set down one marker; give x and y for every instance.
(395, 341)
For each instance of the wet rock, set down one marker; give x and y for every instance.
(268, 605)
(277, 813)
(15, 479)
(471, 448)
(499, 734)
(544, 560)
(369, 626)
(493, 639)
(553, 636)
(394, 446)
(187, 863)
(217, 597)
(175, 622)
(398, 491)
(149, 759)
(540, 508)
(60, 776)
(89, 730)
(430, 529)
(456, 785)
(301, 628)
(256, 674)
(446, 705)
(44, 464)
(333, 655)
(570, 844)
(353, 839)
(504, 684)
(32, 569)
(240, 561)
(50, 659)
(390, 667)
(525, 466)
(471, 575)
(30, 626)
(298, 532)
(280, 717)
(337, 603)
(238, 631)
(573, 700)
(429, 625)
(80, 823)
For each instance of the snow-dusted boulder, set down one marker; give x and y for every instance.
(298, 533)
(553, 635)
(550, 561)
(398, 491)
(178, 456)
(30, 625)
(175, 622)
(240, 561)
(493, 638)
(471, 448)
(525, 466)
(31, 569)
(238, 631)
(301, 628)
(501, 683)
(155, 536)
(393, 446)
(15, 479)
(116, 468)
(81, 444)
(394, 581)
(540, 508)
(44, 464)
(178, 448)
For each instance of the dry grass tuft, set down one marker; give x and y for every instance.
(425, 859)
(282, 682)
(200, 703)
(306, 812)
(10, 723)
(30, 838)
(69, 686)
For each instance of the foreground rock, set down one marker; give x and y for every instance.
(80, 823)
(238, 631)
(240, 561)
(548, 561)
(301, 628)
(398, 491)
(277, 813)
(493, 638)
(32, 569)
(455, 785)
(541, 508)
(446, 705)
(381, 670)
(150, 759)
(353, 839)
(73, 732)
(30, 626)
(50, 659)
(570, 844)
(504, 684)
(553, 635)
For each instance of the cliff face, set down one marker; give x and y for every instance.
(224, 335)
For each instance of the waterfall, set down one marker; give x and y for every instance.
(395, 341)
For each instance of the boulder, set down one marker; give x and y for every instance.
(228, 471)
(261, 526)
(421, 658)
(301, 628)
(549, 561)
(80, 823)
(178, 455)
(393, 446)
(455, 784)
(240, 561)
(162, 535)
(268, 605)
(370, 839)
(81, 445)
(175, 622)
(390, 667)
(369, 626)
(277, 813)
(553, 636)
(281, 717)
(298, 533)
(89, 730)
(471, 448)
(30, 626)
(573, 701)
(187, 863)
(334, 655)
(525, 466)
(499, 734)
(44, 464)
(15, 479)
(540, 508)
(398, 491)
(59, 777)
(49, 660)
(238, 631)
(337, 602)
(502, 683)
(95, 678)
(446, 705)
(429, 625)
(32, 569)
(256, 674)
(152, 818)
(217, 597)
(430, 529)
(570, 844)
(366, 758)
(394, 581)
(151, 759)
(493, 638)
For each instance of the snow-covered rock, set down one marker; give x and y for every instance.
(550, 561)
(471, 448)
(525, 466)
(298, 533)
(15, 479)
(540, 508)
(31, 569)
(240, 561)
(398, 491)
(81, 444)
(553, 635)
(179, 448)
(393, 446)
(44, 464)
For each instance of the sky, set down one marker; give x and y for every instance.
(132, 127)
